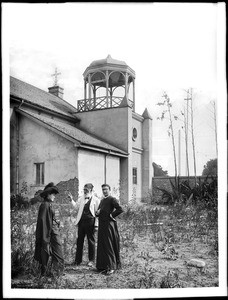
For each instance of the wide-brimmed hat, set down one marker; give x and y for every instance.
(49, 189)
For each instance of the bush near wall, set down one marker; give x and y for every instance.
(24, 214)
(164, 183)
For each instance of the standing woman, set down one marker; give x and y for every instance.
(47, 232)
(108, 246)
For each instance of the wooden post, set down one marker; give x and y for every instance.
(89, 86)
(126, 85)
(85, 94)
(107, 88)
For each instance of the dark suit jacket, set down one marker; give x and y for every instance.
(109, 206)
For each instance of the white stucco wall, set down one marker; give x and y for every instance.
(93, 168)
(90, 170)
(112, 125)
(113, 174)
(39, 144)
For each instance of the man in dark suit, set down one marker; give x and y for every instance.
(87, 222)
(108, 248)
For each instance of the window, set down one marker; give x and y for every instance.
(39, 173)
(134, 173)
(134, 134)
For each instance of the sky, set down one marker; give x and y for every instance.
(171, 47)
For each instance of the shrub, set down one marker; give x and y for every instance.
(203, 193)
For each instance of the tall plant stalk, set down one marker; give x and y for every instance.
(168, 104)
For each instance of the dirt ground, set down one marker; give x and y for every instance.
(144, 265)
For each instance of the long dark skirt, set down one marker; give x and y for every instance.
(43, 252)
(108, 246)
(56, 248)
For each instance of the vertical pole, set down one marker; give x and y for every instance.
(85, 95)
(111, 96)
(105, 168)
(17, 154)
(126, 85)
(186, 135)
(179, 152)
(216, 138)
(107, 88)
(193, 139)
(94, 96)
(134, 94)
(89, 86)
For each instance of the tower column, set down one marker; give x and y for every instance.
(126, 85)
(89, 86)
(106, 75)
(134, 94)
(94, 95)
(147, 153)
(85, 94)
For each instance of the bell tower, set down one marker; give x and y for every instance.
(106, 82)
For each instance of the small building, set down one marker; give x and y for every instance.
(102, 140)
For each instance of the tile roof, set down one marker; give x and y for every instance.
(34, 95)
(84, 138)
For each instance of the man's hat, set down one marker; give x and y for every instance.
(88, 186)
(50, 188)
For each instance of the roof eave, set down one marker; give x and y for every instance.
(40, 107)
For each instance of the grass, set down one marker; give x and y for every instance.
(156, 243)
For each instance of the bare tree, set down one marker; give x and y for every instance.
(168, 104)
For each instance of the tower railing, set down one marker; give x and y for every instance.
(100, 103)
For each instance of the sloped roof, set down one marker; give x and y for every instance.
(107, 60)
(36, 96)
(84, 138)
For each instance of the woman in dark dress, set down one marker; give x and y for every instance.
(47, 233)
(108, 246)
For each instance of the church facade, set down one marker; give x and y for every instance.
(102, 140)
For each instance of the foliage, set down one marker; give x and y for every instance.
(180, 192)
(211, 168)
(158, 171)
(152, 238)
(204, 193)
(18, 201)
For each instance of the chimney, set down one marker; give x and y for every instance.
(56, 91)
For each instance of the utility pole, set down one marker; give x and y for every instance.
(186, 132)
(215, 120)
(193, 139)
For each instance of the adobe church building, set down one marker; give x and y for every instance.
(103, 140)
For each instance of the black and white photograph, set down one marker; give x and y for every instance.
(114, 150)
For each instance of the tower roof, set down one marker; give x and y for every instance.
(146, 114)
(108, 64)
(107, 60)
